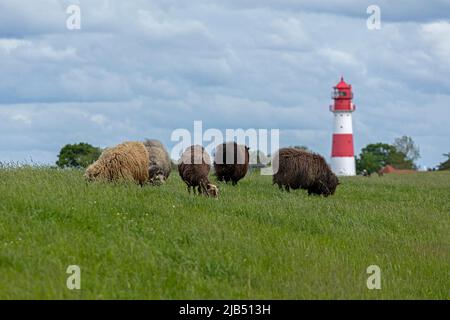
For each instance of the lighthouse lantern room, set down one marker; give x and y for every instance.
(342, 152)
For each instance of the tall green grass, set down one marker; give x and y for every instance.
(255, 242)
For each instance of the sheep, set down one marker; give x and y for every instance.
(127, 161)
(305, 170)
(231, 162)
(366, 173)
(193, 168)
(159, 162)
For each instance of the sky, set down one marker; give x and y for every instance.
(141, 69)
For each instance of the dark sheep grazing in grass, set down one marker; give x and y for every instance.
(305, 170)
(159, 161)
(231, 162)
(193, 168)
(127, 161)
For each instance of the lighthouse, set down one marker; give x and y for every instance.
(342, 153)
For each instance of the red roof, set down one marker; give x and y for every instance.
(388, 169)
(391, 169)
(342, 84)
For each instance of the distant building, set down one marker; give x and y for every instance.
(391, 169)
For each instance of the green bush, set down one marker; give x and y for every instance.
(78, 155)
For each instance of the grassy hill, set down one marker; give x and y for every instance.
(254, 242)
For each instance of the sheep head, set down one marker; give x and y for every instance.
(157, 176)
(212, 190)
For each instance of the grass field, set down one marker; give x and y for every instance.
(255, 242)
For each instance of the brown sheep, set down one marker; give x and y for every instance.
(231, 162)
(128, 161)
(159, 161)
(305, 170)
(193, 168)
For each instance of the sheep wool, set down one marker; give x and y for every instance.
(128, 161)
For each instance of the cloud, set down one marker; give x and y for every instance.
(392, 11)
(437, 36)
(21, 117)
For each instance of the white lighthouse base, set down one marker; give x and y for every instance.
(343, 166)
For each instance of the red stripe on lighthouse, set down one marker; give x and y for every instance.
(342, 145)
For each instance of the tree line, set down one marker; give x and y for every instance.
(402, 154)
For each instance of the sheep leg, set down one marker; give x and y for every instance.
(287, 188)
(188, 188)
(202, 188)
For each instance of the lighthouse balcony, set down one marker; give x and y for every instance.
(346, 108)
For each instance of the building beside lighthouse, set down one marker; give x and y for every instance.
(342, 151)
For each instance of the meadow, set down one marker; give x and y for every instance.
(254, 242)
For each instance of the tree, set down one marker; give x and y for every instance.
(78, 155)
(446, 164)
(400, 161)
(368, 161)
(407, 146)
(375, 156)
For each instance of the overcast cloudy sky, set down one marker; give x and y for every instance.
(141, 69)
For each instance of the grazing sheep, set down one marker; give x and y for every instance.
(366, 173)
(305, 170)
(127, 161)
(231, 162)
(193, 168)
(159, 161)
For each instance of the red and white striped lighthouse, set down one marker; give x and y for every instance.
(342, 153)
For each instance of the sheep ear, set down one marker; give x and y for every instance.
(247, 148)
